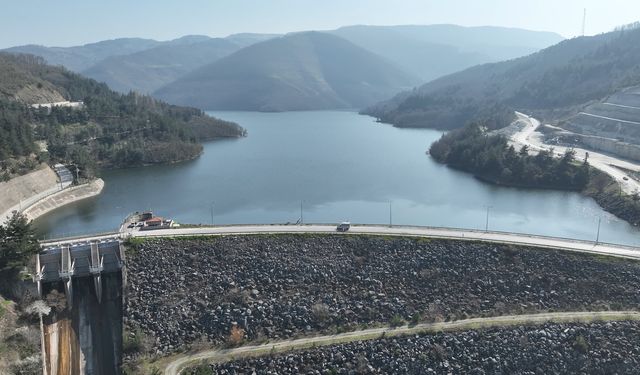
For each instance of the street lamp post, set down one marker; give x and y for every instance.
(486, 224)
(598, 233)
(301, 213)
(212, 206)
(390, 217)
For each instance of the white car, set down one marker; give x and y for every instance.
(344, 226)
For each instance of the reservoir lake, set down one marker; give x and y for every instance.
(335, 166)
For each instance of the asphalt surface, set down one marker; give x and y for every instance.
(464, 234)
(621, 251)
(607, 164)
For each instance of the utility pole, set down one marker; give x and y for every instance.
(584, 22)
(486, 225)
(390, 217)
(598, 234)
(212, 204)
(301, 213)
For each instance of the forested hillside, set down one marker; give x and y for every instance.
(568, 74)
(109, 129)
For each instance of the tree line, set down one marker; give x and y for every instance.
(490, 157)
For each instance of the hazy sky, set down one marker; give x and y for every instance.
(72, 22)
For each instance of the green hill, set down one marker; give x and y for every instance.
(108, 130)
(302, 71)
(433, 51)
(569, 74)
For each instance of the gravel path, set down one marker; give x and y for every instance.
(283, 348)
(550, 348)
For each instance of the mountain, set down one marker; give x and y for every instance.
(101, 129)
(567, 75)
(142, 65)
(148, 70)
(79, 58)
(432, 51)
(301, 71)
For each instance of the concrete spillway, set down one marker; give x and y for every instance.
(83, 333)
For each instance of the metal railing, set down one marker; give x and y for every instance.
(123, 235)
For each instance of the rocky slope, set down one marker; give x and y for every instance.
(184, 291)
(597, 348)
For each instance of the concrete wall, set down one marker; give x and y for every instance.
(64, 197)
(626, 150)
(86, 339)
(611, 146)
(23, 188)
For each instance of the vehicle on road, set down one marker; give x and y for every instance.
(343, 227)
(625, 178)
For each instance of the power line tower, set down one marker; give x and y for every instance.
(584, 21)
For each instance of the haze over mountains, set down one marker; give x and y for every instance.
(432, 51)
(79, 58)
(300, 71)
(569, 74)
(148, 70)
(376, 63)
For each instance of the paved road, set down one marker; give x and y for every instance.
(520, 239)
(607, 164)
(447, 233)
(178, 363)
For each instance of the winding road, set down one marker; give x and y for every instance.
(607, 164)
(175, 364)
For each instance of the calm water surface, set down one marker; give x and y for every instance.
(343, 166)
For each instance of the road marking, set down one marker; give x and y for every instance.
(609, 118)
(621, 106)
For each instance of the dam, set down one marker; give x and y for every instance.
(84, 283)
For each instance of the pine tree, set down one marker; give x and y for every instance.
(17, 244)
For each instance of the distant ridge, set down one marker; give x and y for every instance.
(300, 71)
(432, 51)
(569, 74)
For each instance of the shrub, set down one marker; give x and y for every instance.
(396, 321)
(236, 335)
(320, 312)
(580, 344)
(415, 319)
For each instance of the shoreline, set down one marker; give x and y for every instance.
(63, 198)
